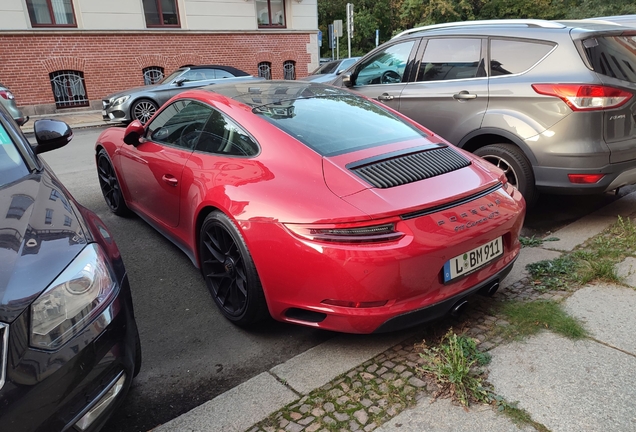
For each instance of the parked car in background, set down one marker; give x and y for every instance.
(329, 71)
(558, 118)
(141, 103)
(370, 224)
(69, 346)
(8, 101)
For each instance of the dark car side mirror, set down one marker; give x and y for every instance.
(134, 131)
(179, 81)
(51, 135)
(347, 81)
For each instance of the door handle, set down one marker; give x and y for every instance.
(170, 179)
(464, 95)
(385, 97)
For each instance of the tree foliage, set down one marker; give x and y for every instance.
(392, 16)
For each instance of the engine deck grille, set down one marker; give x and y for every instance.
(411, 168)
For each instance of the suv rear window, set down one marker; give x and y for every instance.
(505, 58)
(613, 56)
(336, 125)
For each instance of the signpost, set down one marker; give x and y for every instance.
(332, 38)
(337, 30)
(349, 26)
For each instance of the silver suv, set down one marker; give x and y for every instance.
(551, 103)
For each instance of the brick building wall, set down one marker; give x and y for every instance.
(113, 61)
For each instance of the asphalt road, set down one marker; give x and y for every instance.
(190, 352)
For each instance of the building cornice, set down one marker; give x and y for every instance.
(77, 32)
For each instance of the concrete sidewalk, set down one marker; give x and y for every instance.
(563, 385)
(76, 120)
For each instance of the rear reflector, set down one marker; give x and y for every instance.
(581, 97)
(356, 305)
(585, 178)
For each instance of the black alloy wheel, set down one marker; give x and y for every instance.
(229, 271)
(110, 185)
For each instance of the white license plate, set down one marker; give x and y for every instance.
(104, 113)
(473, 259)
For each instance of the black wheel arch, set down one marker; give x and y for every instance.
(486, 136)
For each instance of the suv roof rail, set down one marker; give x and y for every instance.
(528, 22)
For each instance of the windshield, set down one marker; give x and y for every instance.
(12, 166)
(337, 124)
(172, 76)
(613, 56)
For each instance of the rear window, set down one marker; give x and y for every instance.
(340, 124)
(12, 166)
(613, 56)
(505, 58)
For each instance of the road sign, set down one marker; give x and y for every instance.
(350, 19)
(337, 28)
(319, 38)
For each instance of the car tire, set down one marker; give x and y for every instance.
(137, 363)
(516, 167)
(110, 185)
(143, 110)
(229, 271)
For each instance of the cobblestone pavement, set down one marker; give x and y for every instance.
(381, 388)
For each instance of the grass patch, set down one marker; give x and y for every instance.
(556, 274)
(454, 364)
(528, 318)
(530, 241)
(518, 416)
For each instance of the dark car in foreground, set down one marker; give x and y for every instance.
(141, 103)
(551, 103)
(8, 101)
(69, 346)
(370, 224)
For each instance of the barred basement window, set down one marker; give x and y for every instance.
(152, 74)
(289, 70)
(68, 88)
(265, 70)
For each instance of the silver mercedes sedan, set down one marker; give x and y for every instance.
(141, 103)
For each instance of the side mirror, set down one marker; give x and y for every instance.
(51, 135)
(347, 81)
(134, 131)
(179, 81)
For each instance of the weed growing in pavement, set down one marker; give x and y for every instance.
(518, 416)
(530, 241)
(454, 365)
(528, 318)
(554, 274)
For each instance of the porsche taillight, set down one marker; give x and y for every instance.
(348, 232)
(6, 94)
(584, 97)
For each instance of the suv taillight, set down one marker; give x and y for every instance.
(583, 97)
(6, 94)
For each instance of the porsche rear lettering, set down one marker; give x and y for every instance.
(477, 222)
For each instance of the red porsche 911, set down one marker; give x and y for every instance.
(315, 205)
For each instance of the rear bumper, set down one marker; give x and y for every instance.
(555, 180)
(307, 282)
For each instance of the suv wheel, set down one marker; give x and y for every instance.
(515, 165)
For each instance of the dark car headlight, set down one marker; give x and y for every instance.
(74, 298)
(120, 100)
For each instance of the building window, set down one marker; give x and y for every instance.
(51, 13)
(48, 218)
(161, 13)
(289, 70)
(19, 205)
(68, 89)
(270, 13)
(67, 221)
(152, 75)
(265, 70)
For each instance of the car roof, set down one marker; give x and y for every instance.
(274, 91)
(234, 71)
(508, 24)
